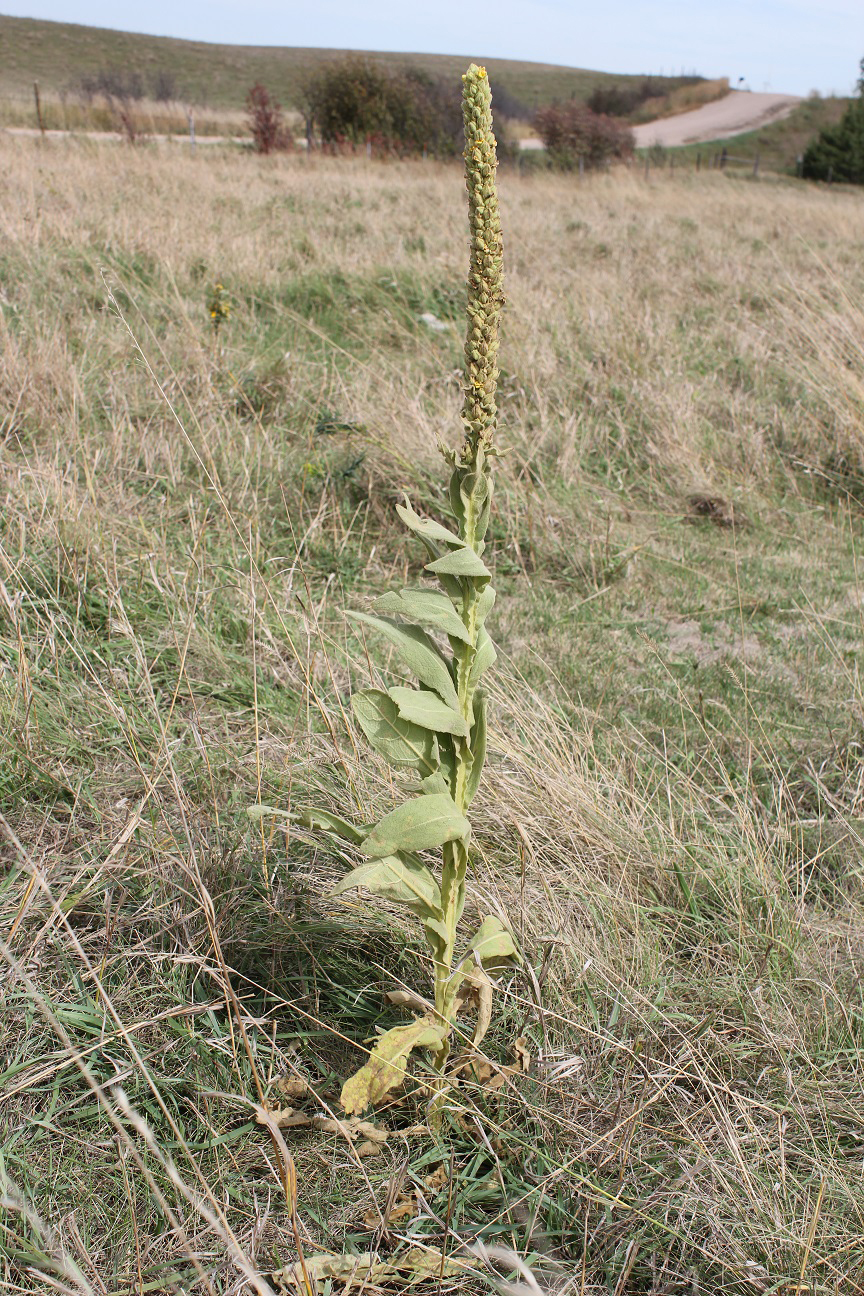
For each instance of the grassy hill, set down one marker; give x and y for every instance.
(59, 55)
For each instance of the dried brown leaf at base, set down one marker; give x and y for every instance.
(402, 1208)
(520, 1052)
(422, 1263)
(292, 1086)
(386, 1068)
(283, 1117)
(476, 991)
(369, 1148)
(414, 1266)
(438, 1178)
(407, 999)
(351, 1129)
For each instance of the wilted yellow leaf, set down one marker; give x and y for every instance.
(385, 1069)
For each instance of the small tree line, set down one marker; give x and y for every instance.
(356, 103)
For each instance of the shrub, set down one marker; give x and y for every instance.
(265, 121)
(113, 83)
(355, 101)
(838, 151)
(572, 131)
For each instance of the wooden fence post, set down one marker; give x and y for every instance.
(756, 165)
(698, 161)
(191, 117)
(38, 107)
(581, 166)
(647, 166)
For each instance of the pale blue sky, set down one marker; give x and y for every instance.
(784, 45)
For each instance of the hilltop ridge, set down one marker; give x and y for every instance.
(59, 55)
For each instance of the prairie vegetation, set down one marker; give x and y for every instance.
(674, 797)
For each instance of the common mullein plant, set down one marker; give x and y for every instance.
(438, 729)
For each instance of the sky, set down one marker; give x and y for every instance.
(788, 46)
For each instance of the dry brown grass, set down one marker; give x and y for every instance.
(682, 99)
(676, 843)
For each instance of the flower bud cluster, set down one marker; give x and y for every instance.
(486, 275)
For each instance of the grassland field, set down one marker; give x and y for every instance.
(672, 820)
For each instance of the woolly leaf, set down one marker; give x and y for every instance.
(484, 657)
(427, 607)
(477, 744)
(484, 604)
(491, 942)
(427, 710)
(426, 528)
(399, 741)
(405, 881)
(435, 783)
(436, 932)
(386, 1067)
(418, 652)
(464, 562)
(418, 824)
(321, 819)
(332, 824)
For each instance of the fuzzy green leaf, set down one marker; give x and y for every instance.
(491, 942)
(428, 607)
(426, 528)
(418, 824)
(477, 744)
(320, 819)
(399, 741)
(436, 932)
(386, 1067)
(435, 783)
(484, 604)
(405, 881)
(418, 652)
(463, 562)
(427, 710)
(484, 657)
(330, 823)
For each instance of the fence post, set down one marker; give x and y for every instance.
(724, 158)
(830, 174)
(756, 165)
(698, 161)
(191, 117)
(647, 166)
(799, 165)
(581, 166)
(38, 107)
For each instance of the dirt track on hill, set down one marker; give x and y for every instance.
(734, 114)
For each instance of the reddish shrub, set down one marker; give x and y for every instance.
(572, 131)
(265, 121)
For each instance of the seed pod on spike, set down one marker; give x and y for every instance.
(486, 274)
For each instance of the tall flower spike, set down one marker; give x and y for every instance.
(486, 275)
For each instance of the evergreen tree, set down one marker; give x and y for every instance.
(838, 151)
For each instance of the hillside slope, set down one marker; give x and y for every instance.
(58, 55)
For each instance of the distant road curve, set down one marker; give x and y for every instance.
(735, 114)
